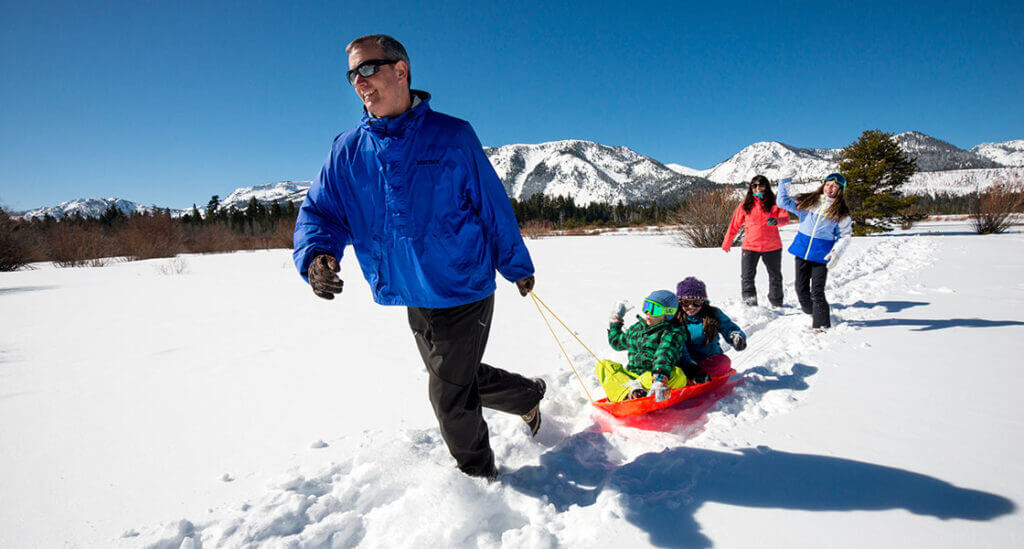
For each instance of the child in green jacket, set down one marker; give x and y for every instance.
(655, 346)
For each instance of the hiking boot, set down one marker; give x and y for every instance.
(532, 418)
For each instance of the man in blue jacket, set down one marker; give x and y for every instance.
(414, 194)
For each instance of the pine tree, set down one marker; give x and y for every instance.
(875, 169)
(212, 206)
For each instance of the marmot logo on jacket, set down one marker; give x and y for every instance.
(428, 162)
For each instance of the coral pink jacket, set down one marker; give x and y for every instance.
(758, 236)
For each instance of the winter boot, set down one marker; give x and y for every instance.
(532, 418)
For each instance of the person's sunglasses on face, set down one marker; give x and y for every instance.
(368, 68)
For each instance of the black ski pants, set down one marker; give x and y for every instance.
(772, 262)
(451, 342)
(810, 290)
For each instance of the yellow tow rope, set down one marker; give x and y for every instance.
(537, 301)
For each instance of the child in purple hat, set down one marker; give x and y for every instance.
(702, 324)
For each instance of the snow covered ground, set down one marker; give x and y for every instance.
(227, 406)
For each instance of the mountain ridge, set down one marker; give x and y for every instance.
(590, 172)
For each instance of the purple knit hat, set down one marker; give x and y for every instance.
(691, 287)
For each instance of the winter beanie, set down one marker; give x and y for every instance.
(665, 298)
(691, 287)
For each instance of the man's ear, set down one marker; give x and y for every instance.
(402, 68)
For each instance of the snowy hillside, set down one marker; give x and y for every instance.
(270, 193)
(588, 172)
(936, 155)
(1008, 153)
(90, 207)
(233, 428)
(684, 170)
(774, 160)
(960, 182)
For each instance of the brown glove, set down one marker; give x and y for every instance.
(322, 278)
(525, 285)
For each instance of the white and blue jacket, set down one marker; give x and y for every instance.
(422, 207)
(818, 238)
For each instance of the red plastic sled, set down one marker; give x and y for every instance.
(639, 406)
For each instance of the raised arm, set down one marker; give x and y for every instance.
(785, 201)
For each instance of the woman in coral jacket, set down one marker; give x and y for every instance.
(760, 219)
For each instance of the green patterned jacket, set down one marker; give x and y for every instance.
(654, 349)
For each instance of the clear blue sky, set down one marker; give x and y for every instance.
(172, 102)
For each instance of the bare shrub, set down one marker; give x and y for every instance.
(151, 235)
(910, 215)
(210, 239)
(175, 266)
(536, 228)
(705, 217)
(282, 235)
(13, 249)
(72, 244)
(992, 209)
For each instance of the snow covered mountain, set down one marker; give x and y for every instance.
(267, 194)
(685, 170)
(774, 160)
(588, 172)
(1007, 153)
(90, 207)
(960, 182)
(935, 155)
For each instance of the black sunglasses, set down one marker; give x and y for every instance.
(758, 186)
(367, 69)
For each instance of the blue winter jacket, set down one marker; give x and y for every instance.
(427, 216)
(699, 347)
(817, 234)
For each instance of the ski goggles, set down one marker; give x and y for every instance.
(653, 308)
(367, 69)
(838, 178)
(692, 302)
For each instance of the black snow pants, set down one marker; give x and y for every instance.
(810, 290)
(451, 342)
(772, 262)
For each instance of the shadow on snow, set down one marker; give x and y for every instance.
(890, 306)
(928, 324)
(21, 289)
(661, 492)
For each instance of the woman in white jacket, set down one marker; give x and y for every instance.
(824, 232)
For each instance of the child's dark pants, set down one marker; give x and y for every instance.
(810, 290)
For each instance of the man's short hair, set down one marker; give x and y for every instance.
(392, 48)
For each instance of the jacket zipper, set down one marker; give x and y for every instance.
(815, 229)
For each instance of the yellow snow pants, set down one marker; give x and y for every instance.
(613, 377)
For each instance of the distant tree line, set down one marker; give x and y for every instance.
(562, 212)
(74, 240)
